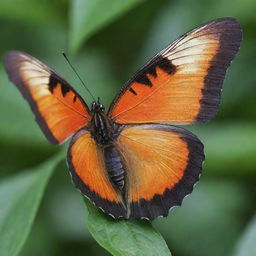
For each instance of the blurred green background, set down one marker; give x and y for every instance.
(107, 45)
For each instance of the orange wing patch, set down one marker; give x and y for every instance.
(163, 164)
(58, 108)
(88, 172)
(182, 84)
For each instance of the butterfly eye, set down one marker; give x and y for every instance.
(102, 108)
(93, 107)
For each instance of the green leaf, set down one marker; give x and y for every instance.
(124, 238)
(247, 246)
(86, 17)
(20, 197)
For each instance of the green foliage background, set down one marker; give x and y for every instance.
(107, 40)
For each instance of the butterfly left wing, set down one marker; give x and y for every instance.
(163, 163)
(58, 108)
(182, 84)
(89, 175)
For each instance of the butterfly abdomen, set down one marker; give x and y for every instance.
(114, 166)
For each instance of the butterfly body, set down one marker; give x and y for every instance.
(132, 162)
(105, 133)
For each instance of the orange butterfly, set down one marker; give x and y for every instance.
(131, 162)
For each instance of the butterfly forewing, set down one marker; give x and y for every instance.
(182, 84)
(58, 108)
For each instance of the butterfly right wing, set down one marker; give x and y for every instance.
(163, 163)
(182, 84)
(58, 108)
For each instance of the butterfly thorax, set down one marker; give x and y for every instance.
(100, 126)
(100, 129)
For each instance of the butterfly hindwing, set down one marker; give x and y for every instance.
(58, 108)
(163, 164)
(182, 84)
(87, 168)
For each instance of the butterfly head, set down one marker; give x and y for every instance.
(97, 106)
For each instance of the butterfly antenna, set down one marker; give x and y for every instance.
(65, 56)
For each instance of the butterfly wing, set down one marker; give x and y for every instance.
(57, 107)
(163, 164)
(87, 168)
(182, 84)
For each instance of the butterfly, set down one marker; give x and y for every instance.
(132, 162)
